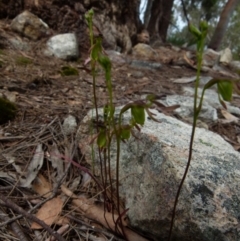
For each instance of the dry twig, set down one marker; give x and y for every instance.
(7, 202)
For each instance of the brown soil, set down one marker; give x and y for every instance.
(44, 98)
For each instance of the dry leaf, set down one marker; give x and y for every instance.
(229, 117)
(11, 176)
(49, 212)
(34, 166)
(56, 159)
(189, 61)
(185, 80)
(57, 76)
(42, 186)
(74, 102)
(236, 147)
(97, 213)
(12, 160)
(11, 96)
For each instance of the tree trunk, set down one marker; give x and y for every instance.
(222, 25)
(147, 13)
(117, 20)
(160, 19)
(166, 19)
(155, 16)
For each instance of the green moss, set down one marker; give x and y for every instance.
(68, 70)
(23, 61)
(8, 110)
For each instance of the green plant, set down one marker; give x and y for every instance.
(225, 89)
(112, 131)
(8, 110)
(68, 71)
(21, 60)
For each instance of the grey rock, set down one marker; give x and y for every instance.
(180, 61)
(221, 69)
(116, 57)
(186, 107)
(63, 46)
(235, 65)
(156, 44)
(144, 51)
(151, 169)
(137, 74)
(69, 125)
(30, 26)
(144, 64)
(226, 56)
(210, 58)
(20, 44)
(211, 98)
(176, 48)
(204, 80)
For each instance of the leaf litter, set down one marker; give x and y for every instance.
(36, 169)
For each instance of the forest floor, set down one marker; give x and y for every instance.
(44, 98)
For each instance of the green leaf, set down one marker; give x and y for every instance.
(138, 114)
(210, 83)
(204, 28)
(203, 25)
(102, 139)
(125, 108)
(125, 133)
(105, 62)
(225, 89)
(89, 15)
(193, 30)
(96, 49)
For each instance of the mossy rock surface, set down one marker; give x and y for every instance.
(8, 110)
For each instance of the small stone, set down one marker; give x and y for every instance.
(144, 51)
(226, 56)
(144, 64)
(69, 125)
(235, 65)
(210, 57)
(30, 26)
(63, 46)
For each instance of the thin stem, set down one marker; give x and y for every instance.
(196, 109)
(117, 187)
